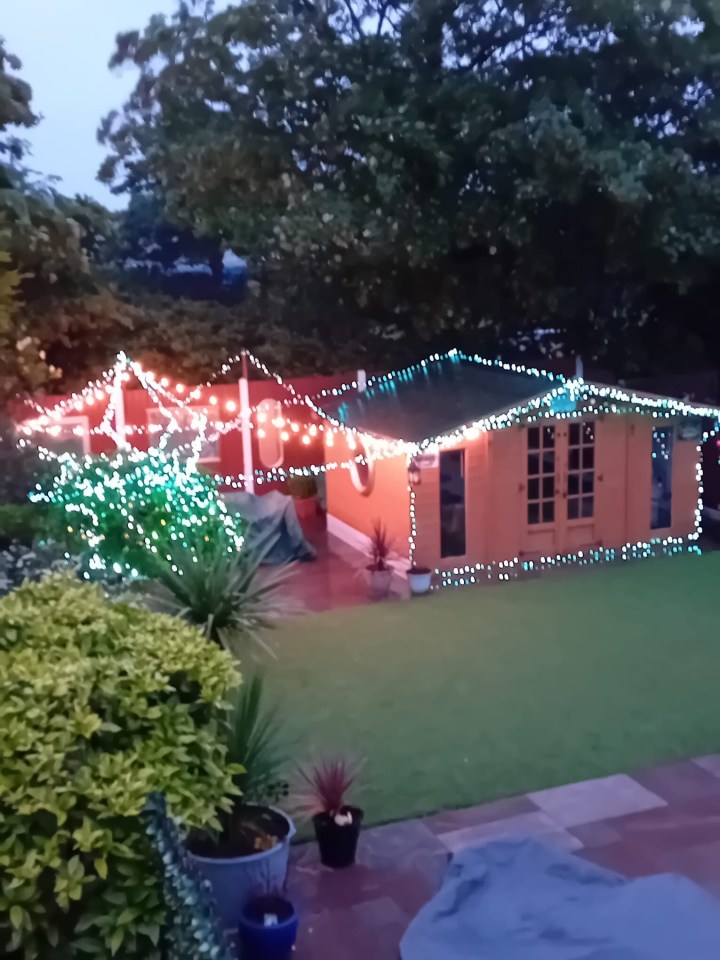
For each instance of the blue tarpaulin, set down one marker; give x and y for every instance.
(522, 900)
(274, 526)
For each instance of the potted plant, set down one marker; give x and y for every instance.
(322, 795)
(250, 850)
(419, 579)
(379, 569)
(268, 926)
(303, 490)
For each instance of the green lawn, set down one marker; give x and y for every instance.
(479, 693)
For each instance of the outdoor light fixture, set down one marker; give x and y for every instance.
(414, 474)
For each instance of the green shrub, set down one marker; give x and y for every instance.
(22, 522)
(129, 508)
(100, 705)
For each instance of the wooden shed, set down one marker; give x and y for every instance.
(479, 469)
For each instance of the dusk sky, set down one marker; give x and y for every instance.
(65, 46)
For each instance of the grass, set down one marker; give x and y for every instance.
(478, 693)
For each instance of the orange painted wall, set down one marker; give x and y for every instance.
(388, 500)
(495, 496)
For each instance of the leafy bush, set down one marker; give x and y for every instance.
(21, 522)
(100, 705)
(19, 563)
(132, 507)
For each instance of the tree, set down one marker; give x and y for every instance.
(446, 168)
(150, 242)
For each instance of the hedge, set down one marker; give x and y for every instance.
(100, 706)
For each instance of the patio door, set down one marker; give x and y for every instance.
(560, 487)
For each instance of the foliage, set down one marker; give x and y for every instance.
(224, 592)
(149, 243)
(379, 547)
(19, 466)
(21, 522)
(324, 785)
(193, 930)
(302, 488)
(101, 705)
(20, 562)
(445, 169)
(253, 734)
(136, 510)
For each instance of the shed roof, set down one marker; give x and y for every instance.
(436, 397)
(441, 395)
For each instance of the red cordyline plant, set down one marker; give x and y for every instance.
(324, 785)
(380, 547)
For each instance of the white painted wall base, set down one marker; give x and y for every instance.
(361, 543)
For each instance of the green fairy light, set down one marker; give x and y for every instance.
(129, 507)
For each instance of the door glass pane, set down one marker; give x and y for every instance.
(662, 449)
(581, 472)
(452, 503)
(541, 475)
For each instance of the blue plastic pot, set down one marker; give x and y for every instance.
(268, 943)
(237, 880)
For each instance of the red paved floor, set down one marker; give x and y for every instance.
(337, 577)
(666, 819)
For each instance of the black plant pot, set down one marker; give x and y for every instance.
(338, 844)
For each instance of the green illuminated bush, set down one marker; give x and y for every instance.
(100, 705)
(132, 507)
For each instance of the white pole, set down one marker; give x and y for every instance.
(248, 470)
(118, 401)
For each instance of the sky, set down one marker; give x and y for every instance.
(65, 46)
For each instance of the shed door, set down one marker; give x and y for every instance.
(560, 487)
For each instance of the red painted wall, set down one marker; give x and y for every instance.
(138, 403)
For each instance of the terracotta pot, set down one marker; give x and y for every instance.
(305, 507)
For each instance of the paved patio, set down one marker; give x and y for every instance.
(663, 819)
(337, 577)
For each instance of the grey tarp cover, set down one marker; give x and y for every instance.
(274, 526)
(522, 900)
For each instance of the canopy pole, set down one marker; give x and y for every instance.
(248, 469)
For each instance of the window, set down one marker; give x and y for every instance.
(189, 421)
(662, 451)
(452, 503)
(581, 470)
(541, 475)
(270, 442)
(362, 472)
(69, 435)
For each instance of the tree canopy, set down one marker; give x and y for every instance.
(446, 168)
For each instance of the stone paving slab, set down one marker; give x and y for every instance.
(592, 800)
(538, 825)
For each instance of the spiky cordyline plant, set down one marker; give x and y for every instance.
(324, 784)
(380, 547)
(224, 592)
